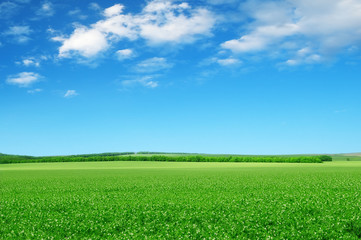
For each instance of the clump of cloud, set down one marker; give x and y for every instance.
(125, 54)
(229, 61)
(304, 56)
(28, 62)
(23, 79)
(70, 93)
(94, 6)
(166, 22)
(87, 42)
(113, 10)
(19, 33)
(154, 64)
(323, 27)
(33, 61)
(160, 22)
(46, 10)
(143, 81)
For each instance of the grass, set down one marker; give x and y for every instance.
(171, 200)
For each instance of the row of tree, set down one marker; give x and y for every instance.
(163, 158)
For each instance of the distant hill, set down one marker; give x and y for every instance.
(358, 154)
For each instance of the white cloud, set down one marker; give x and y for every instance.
(74, 12)
(113, 10)
(311, 59)
(304, 56)
(31, 62)
(46, 10)
(228, 61)
(117, 27)
(154, 64)
(86, 42)
(124, 54)
(77, 13)
(145, 81)
(159, 22)
(70, 93)
(94, 6)
(18, 30)
(36, 90)
(260, 38)
(19, 33)
(165, 22)
(324, 26)
(151, 84)
(23, 79)
(292, 62)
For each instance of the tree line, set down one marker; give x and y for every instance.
(162, 158)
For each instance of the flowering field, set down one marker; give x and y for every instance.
(169, 200)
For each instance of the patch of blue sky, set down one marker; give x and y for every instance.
(213, 76)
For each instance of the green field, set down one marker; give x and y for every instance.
(171, 200)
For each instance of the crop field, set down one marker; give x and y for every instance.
(180, 200)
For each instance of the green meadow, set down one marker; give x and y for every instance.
(180, 200)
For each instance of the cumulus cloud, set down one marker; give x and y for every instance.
(326, 27)
(304, 56)
(19, 33)
(30, 62)
(33, 61)
(124, 54)
(159, 22)
(144, 81)
(84, 41)
(70, 93)
(46, 10)
(23, 79)
(113, 10)
(261, 38)
(165, 22)
(154, 64)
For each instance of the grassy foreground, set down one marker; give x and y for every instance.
(171, 200)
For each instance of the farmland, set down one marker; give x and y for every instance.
(98, 200)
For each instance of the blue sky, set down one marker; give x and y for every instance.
(210, 76)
